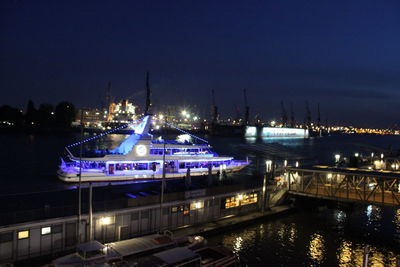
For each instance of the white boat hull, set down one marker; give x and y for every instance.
(73, 177)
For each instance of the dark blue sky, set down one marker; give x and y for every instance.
(344, 55)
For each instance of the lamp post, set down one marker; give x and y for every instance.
(162, 189)
(268, 168)
(80, 183)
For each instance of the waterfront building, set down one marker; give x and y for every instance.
(51, 234)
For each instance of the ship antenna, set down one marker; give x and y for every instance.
(308, 115)
(148, 93)
(284, 115)
(292, 120)
(214, 108)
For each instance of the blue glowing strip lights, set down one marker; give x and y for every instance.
(205, 141)
(101, 135)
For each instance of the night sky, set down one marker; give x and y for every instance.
(344, 55)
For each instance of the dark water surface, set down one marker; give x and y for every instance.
(310, 236)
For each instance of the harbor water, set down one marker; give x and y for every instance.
(315, 234)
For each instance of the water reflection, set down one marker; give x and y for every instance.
(292, 233)
(340, 216)
(237, 244)
(317, 248)
(345, 253)
(374, 216)
(251, 140)
(350, 254)
(285, 141)
(242, 241)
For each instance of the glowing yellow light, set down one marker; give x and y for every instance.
(23, 234)
(240, 197)
(105, 220)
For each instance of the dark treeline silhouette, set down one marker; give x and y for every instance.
(46, 116)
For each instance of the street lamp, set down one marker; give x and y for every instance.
(337, 158)
(268, 165)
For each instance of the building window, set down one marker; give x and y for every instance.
(177, 209)
(46, 230)
(240, 200)
(55, 229)
(186, 210)
(23, 234)
(6, 237)
(197, 205)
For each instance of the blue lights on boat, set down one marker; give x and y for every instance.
(100, 135)
(131, 196)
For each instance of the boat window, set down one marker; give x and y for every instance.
(127, 166)
(194, 165)
(203, 164)
(154, 166)
(118, 167)
(182, 165)
(141, 166)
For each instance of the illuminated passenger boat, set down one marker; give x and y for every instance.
(139, 157)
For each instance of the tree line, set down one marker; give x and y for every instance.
(45, 116)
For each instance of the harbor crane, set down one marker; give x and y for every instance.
(246, 108)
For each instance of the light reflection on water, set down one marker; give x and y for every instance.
(317, 248)
(317, 238)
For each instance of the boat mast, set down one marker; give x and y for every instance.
(308, 116)
(292, 120)
(284, 115)
(148, 102)
(214, 109)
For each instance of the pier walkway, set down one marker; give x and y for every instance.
(345, 184)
